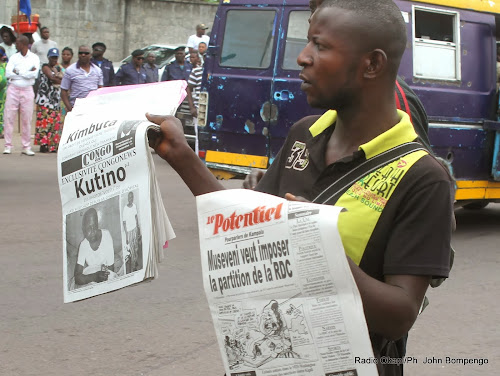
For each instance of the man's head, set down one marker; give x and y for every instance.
(98, 50)
(22, 44)
(90, 225)
(45, 33)
(151, 58)
(137, 58)
(8, 36)
(202, 48)
(83, 55)
(130, 197)
(194, 58)
(352, 44)
(200, 29)
(180, 55)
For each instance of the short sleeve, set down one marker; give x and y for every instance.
(66, 82)
(420, 239)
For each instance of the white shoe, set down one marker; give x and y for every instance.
(28, 152)
(7, 150)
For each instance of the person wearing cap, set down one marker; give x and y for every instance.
(42, 47)
(48, 104)
(108, 72)
(21, 71)
(132, 73)
(195, 39)
(8, 41)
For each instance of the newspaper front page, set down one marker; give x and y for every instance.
(281, 294)
(114, 223)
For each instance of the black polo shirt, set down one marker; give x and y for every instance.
(412, 234)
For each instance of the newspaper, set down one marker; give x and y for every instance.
(114, 222)
(281, 294)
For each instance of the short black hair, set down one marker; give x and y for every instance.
(136, 53)
(99, 44)
(68, 49)
(43, 28)
(182, 48)
(383, 22)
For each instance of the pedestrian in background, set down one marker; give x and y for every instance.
(3, 86)
(42, 47)
(48, 110)
(179, 69)
(66, 57)
(151, 68)
(21, 71)
(8, 41)
(195, 39)
(108, 71)
(132, 73)
(80, 78)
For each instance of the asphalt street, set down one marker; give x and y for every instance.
(164, 327)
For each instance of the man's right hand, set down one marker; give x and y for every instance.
(170, 142)
(101, 276)
(252, 179)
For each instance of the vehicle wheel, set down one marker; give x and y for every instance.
(477, 205)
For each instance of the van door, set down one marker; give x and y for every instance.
(289, 100)
(239, 75)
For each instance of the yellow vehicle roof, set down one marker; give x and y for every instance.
(489, 6)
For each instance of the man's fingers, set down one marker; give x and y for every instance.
(157, 119)
(291, 197)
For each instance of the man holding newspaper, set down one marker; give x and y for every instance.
(396, 240)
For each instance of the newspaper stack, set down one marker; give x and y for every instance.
(280, 290)
(115, 226)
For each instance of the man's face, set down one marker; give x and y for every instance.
(151, 59)
(130, 197)
(98, 52)
(84, 55)
(194, 58)
(45, 34)
(138, 60)
(330, 61)
(202, 48)
(90, 227)
(200, 31)
(6, 38)
(19, 44)
(180, 56)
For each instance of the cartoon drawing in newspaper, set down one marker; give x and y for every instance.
(132, 234)
(278, 331)
(98, 256)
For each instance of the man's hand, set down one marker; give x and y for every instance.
(101, 276)
(194, 112)
(170, 142)
(253, 178)
(291, 197)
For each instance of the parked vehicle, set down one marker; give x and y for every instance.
(251, 91)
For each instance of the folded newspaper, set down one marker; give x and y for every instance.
(281, 294)
(114, 223)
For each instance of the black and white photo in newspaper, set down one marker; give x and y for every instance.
(282, 298)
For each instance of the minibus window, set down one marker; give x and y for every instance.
(248, 39)
(296, 38)
(436, 38)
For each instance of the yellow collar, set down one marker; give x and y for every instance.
(402, 132)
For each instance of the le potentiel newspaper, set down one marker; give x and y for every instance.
(114, 222)
(281, 294)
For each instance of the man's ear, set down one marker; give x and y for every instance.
(375, 63)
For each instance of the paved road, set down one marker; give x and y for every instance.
(163, 328)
